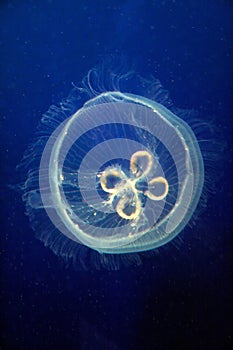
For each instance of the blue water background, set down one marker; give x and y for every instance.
(180, 298)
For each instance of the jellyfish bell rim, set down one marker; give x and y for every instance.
(135, 243)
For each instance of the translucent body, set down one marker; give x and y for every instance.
(122, 174)
(113, 174)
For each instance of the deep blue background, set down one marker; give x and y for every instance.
(178, 299)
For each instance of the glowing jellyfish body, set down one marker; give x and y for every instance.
(122, 174)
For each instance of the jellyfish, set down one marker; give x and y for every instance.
(112, 173)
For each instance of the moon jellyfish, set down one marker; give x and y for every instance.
(113, 175)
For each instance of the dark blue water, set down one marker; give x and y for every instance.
(180, 298)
